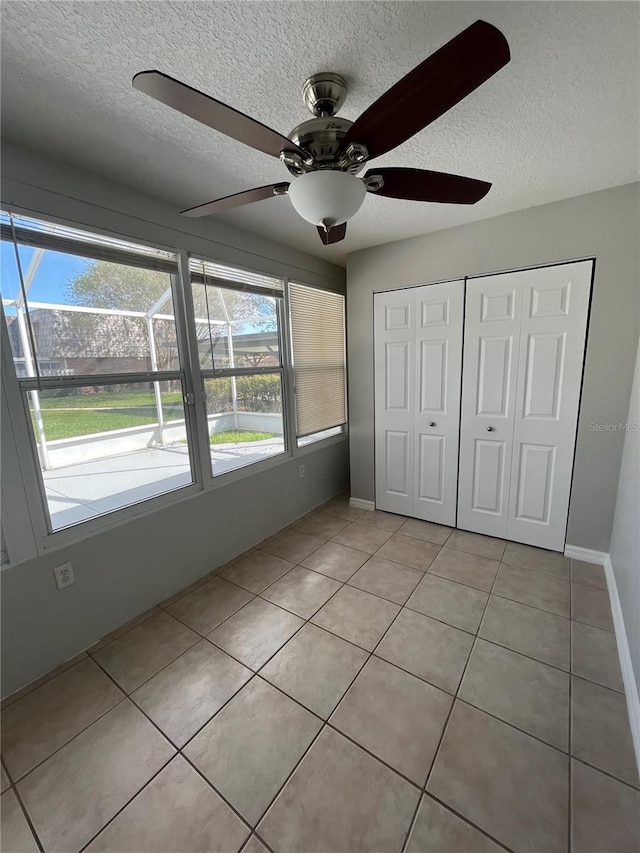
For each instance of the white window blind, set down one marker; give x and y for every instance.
(317, 326)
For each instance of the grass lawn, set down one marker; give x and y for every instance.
(232, 436)
(108, 400)
(66, 424)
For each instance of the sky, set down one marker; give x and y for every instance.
(50, 283)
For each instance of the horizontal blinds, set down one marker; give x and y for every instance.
(219, 275)
(60, 238)
(317, 326)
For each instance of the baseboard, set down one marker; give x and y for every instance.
(585, 554)
(628, 675)
(360, 503)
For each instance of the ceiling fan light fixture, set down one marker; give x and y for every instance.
(327, 195)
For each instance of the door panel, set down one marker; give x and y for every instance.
(394, 400)
(552, 339)
(440, 308)
(492, 321)
(418, 356)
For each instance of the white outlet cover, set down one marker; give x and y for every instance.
(64, 575)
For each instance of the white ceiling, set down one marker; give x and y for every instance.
(560, 120)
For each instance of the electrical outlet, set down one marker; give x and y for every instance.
(301, 470)
(64, 575)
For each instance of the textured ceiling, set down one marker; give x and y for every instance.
(560, 120)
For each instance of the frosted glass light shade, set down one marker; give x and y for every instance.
(327, 195)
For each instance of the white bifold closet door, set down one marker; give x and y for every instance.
(418, 361)
(523, 357)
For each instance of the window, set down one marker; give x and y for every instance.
(319, 368)
(237, 320)
(94, 340)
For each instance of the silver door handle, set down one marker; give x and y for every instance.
(490, 429)
(432, 423)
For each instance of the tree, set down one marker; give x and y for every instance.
(106, 285)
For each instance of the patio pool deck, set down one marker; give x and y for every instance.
(90, 489)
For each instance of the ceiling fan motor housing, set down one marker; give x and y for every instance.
(322, 139)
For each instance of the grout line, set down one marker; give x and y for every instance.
(27, 816)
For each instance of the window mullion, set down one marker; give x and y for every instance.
(288, 377)
(197, 415)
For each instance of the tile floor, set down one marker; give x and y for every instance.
(359, 682)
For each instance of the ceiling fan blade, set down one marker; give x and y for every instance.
(432, 88)
(333, 235)
(423, 185)
(213, 113)
(236, 200)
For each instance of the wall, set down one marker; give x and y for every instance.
(625, 539)
(603, 224)
(123, 571)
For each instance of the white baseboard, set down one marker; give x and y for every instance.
(585, 554)
(360, 503)
(628, 675)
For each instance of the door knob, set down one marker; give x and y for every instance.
(490, 429)
(432, 423)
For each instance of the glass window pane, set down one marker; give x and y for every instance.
(245, 420)
(87, 316)
(235, 329)
(102, 448)
(318, 436)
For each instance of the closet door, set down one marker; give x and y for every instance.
(439, 312)
(491, 335)
(394, 322)
(555, 302)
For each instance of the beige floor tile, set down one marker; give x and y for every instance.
(47, 718)
(321, 524)
(527, 694)
(79, 789)
(292, 545)
(509, 784)
(257, 571)
(595, 655)
(458, 605)
(177, 811)
(183, 696)
(362, 537)
(476, 543)
(315, 668)
(536, 633)
(310, 815)
(357, 616)
(254, 845)
(209, 605)
(463, 567)
(536, 589)
(15, 833)
(183, 592)
(410, 552)
(336, 561)
(396, 716)
(384, 520)
(605, 813)
(248, 750)
(588, 573)
(389, 580)
(301, 591)
(591, 605)
(537, 560)
(19, 694)
(437, 830)
(256, 632)
(340, 508)
(426, 531)
(140, 653)
(601, 735)
(4, 779)
(429, 649)
(113, 635)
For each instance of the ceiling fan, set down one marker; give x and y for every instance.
(325, 154)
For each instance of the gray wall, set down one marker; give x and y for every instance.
(603, 224)
(625, 539)
(124, 571)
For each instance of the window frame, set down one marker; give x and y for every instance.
(27, 534)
